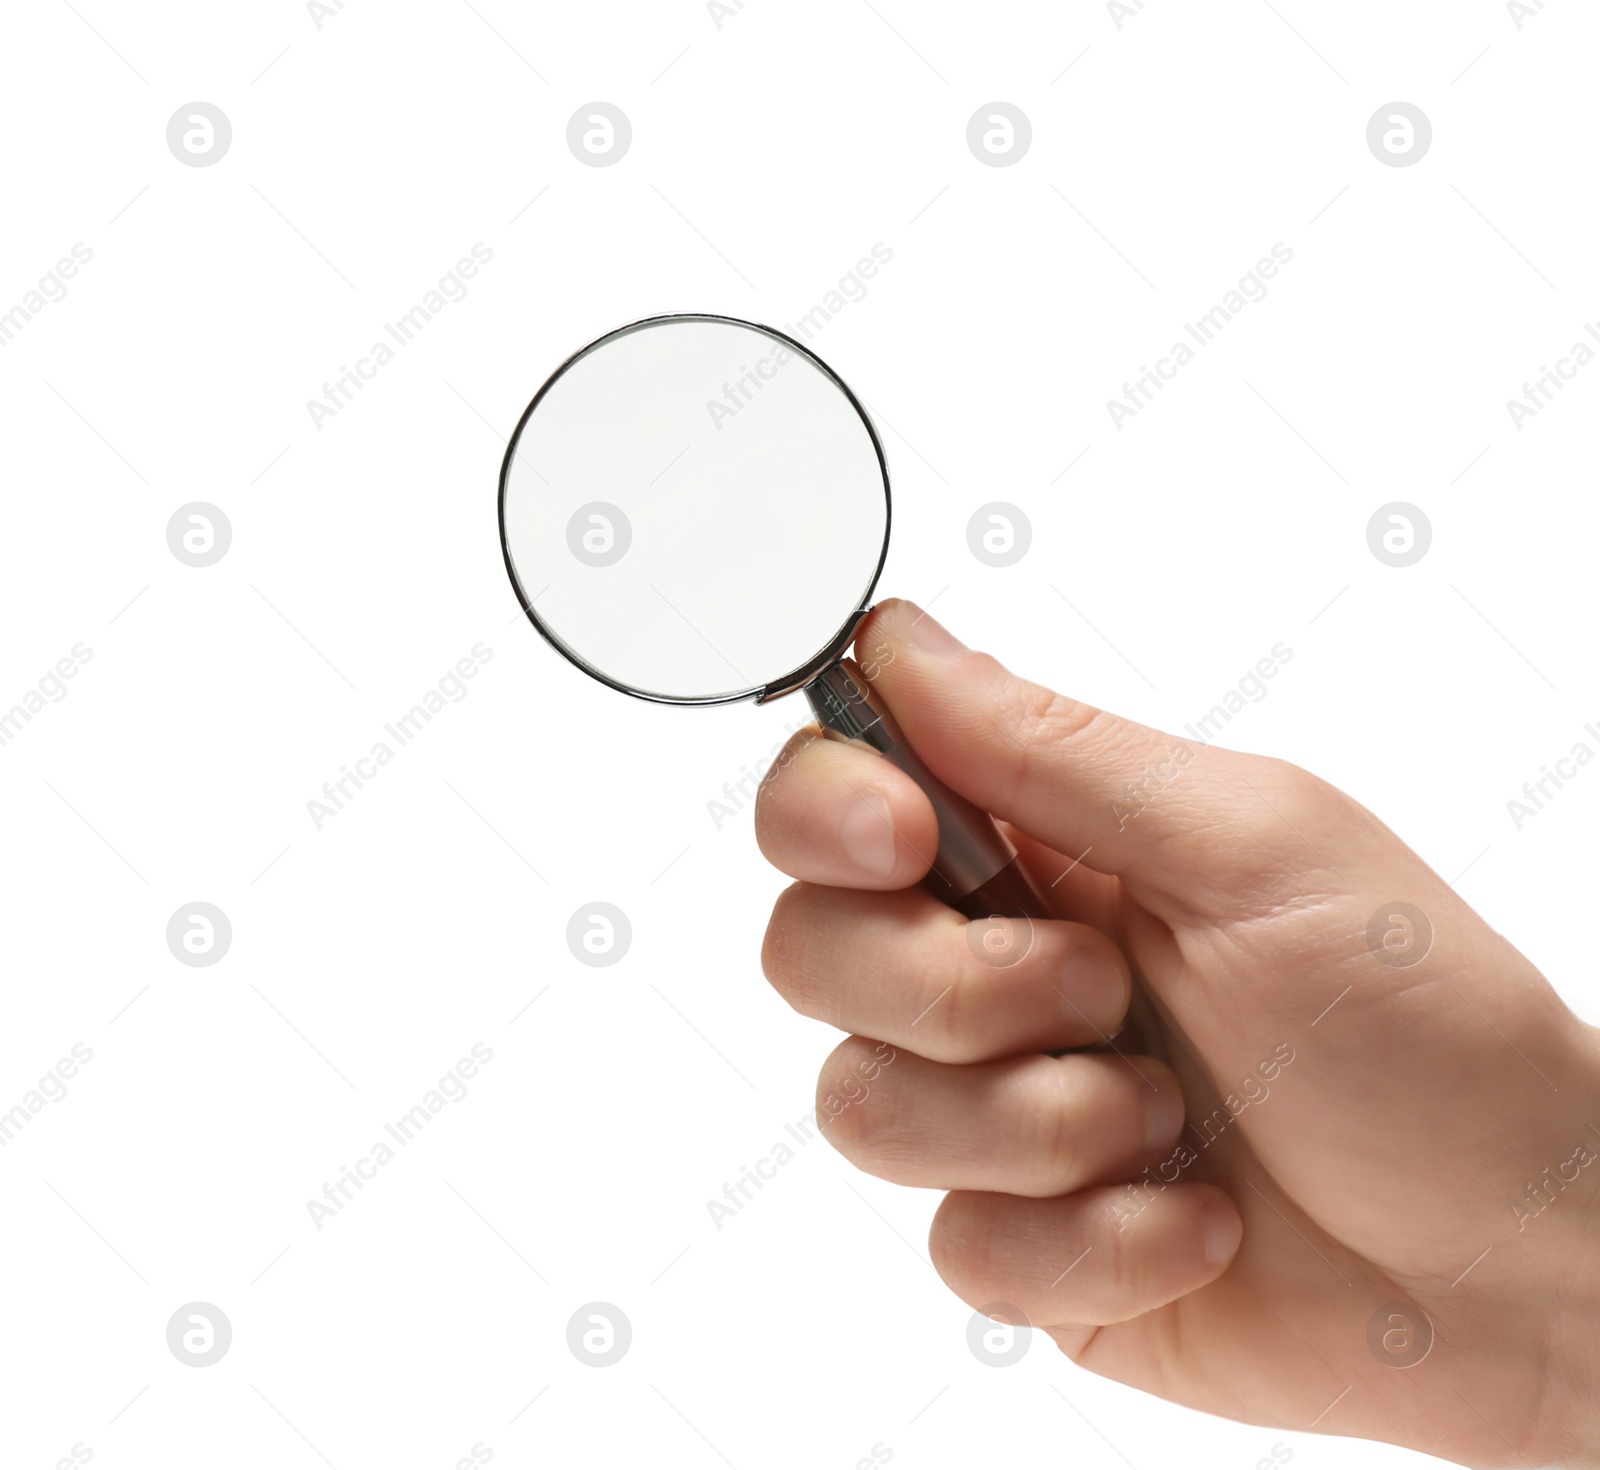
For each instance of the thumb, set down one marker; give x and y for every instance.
(1090, 784)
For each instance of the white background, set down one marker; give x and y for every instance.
(768, 155)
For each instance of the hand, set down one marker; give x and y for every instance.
(1336, 1110)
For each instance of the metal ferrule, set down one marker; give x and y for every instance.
(972, 849)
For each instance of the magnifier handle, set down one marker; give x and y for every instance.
(976, 869)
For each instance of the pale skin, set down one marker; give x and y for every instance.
(1286, 1204)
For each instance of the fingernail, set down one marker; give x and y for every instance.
(1223, 1230)
(867, 834)
(1102, 988)
(926, 634)
(1163, 1116)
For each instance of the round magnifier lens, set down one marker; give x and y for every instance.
(693, 509)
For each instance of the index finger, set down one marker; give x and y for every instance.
(835, 813)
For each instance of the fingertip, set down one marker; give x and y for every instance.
(834, 813)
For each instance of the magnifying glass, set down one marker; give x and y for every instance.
(695, 510)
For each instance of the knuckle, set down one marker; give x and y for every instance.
(1303, 793)
(1043, 723)
(1114, 1228)
(940, 1027)
(1046, 718)
(1287, 804)
(958, 995)
(1057, 1148)
(1079, 1118)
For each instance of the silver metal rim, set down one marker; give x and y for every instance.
(826, 656)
